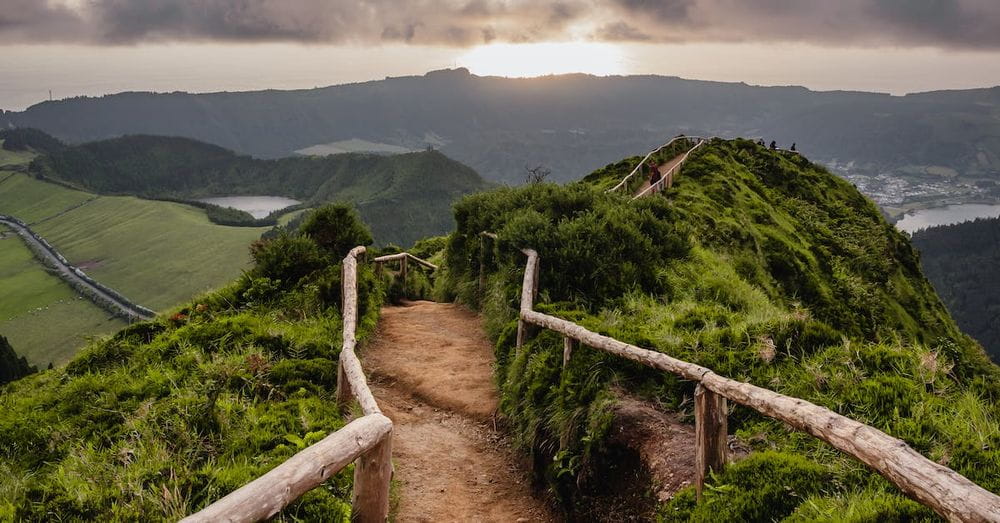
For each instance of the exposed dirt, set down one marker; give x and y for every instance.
(431, 369)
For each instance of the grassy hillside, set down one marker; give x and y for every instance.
(761, 266)
(42, 317)
(962, 261)
(167, 416)
(156, 253)
(405, 197)
(32, 200)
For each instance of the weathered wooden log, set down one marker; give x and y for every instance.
(710, 433)
(481, 288)
(402, 270)
(267, 495)
(372, 475)
(350, 371)
(400, 256)
(654, 359)
(947, 492)
(568, 344)
(355, 376)
(529, 287)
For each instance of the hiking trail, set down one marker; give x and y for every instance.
(431, 370)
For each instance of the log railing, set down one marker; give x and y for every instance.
(945, 491)
(666, 179)
(638, 168)
(403, 258)
(366, 441)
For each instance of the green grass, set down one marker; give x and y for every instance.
(156, 253)
(14, 157)
(167, 416)
(31, 200)
(44, 319)
(760, 266)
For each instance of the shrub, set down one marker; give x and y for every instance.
(336, 229)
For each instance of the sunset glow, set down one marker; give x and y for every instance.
(523, 60)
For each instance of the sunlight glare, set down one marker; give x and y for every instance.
(526, 60)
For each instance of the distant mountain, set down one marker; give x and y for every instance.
(572, 124)
(403, 197)
(963, 263)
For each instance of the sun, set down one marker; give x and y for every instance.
(526, 60)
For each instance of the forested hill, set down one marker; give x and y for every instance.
(404, 197)
(760, 266)
(963, 262)
(573, 124)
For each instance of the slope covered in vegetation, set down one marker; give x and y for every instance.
(167, 416)
(404, 197)
(963, 263)
(761, 266)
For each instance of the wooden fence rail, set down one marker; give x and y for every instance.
(642, 163)
(366, 441)
(666, 180)
(403, 258)
(945, 491)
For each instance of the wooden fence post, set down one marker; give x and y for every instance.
(710, 433)
(568, 344)
(402, 270)
(372, 474)
(529, 289)
(482, 269)
(344, 394)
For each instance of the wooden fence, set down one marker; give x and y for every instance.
(945, 491)
(403, 258)
(366, 441)
(642, 163)
(667, 179)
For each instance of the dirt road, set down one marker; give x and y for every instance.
(431, 369)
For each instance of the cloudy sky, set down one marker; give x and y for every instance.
(93, 47)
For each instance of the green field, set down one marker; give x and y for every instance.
(31, 200)
(14, 157)
(158, 254)
(43, 318)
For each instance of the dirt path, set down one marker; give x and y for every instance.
(431, 372)
(664, 169)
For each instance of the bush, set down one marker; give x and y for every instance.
(336, 229)
(287, 259)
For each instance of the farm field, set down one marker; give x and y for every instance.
(32, 200)
(44, 319)
(158, 254)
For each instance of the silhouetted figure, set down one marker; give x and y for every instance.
(774, 145)
(793, 147)
(761, 142)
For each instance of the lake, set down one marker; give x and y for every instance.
(257, 206)
(948, 215)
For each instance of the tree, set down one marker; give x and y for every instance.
(537, 174)
(337, 229)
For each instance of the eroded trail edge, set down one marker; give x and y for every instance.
(431, 369)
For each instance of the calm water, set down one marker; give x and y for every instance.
(947, 215)
(257, 206)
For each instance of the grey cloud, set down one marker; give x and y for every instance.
(941, 23)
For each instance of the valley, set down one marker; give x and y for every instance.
(157, 254)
